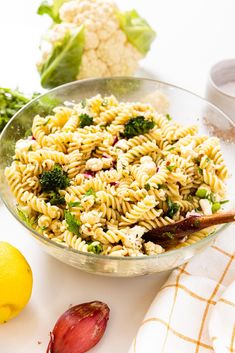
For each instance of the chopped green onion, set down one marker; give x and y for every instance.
(202, 193)
(216, 207)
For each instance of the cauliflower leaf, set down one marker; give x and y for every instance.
(64, 62)
(137, 30)
(51, 10)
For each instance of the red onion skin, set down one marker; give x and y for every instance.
(79, 329)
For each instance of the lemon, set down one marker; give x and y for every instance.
(15, 282)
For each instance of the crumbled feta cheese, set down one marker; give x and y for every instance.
(91, 217)
(187, 151)
(153, 249)
(122, 144)
(26, 145)
(94, 164)
(206, 206)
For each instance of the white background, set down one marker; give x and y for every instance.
(192, 35)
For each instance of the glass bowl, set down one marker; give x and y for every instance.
(185, 107)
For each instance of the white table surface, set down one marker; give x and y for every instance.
(192, 35)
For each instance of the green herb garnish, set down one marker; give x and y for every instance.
(95, 247)
(200, 171)
(224, 201)
(172, 208)
(170, 167)
(90, 192)
(168, 117)
(85, 120)
(171, 149)
(137, 126)
(74, 204)
(73, 224)
(168, 234)
(147, 187)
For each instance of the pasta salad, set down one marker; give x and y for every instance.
(95, 176)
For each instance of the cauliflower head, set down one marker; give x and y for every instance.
(92, 38)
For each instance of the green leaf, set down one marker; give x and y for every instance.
(51, 9)
(72, 223)
(138, 31)
(137, 126)
(85, 120)
(64, 62)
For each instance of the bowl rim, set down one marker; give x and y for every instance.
(110, 257)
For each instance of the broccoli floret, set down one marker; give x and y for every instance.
(137, 126)
(85, 120)
(54, 180)
(95, 247)
(55, 198)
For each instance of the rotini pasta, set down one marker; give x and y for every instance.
(97, 175)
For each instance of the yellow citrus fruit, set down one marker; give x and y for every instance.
(15, 282)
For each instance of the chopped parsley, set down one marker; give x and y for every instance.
(172, 208)
(95, 247)
(74, 204)
(147, 187)
(200, 171)
(170, 167)
(90, 192)
(85, 120)
(168, 234)
(168, 117)
(73, 224)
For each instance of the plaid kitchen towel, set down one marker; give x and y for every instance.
(194, 312)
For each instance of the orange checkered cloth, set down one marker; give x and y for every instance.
(194, 312)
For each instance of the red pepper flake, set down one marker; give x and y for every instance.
(114, 183)
(89, 174)
(33, 138)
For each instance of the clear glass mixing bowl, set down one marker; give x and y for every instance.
(185, 107)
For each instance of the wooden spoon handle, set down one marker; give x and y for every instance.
(187, 226)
